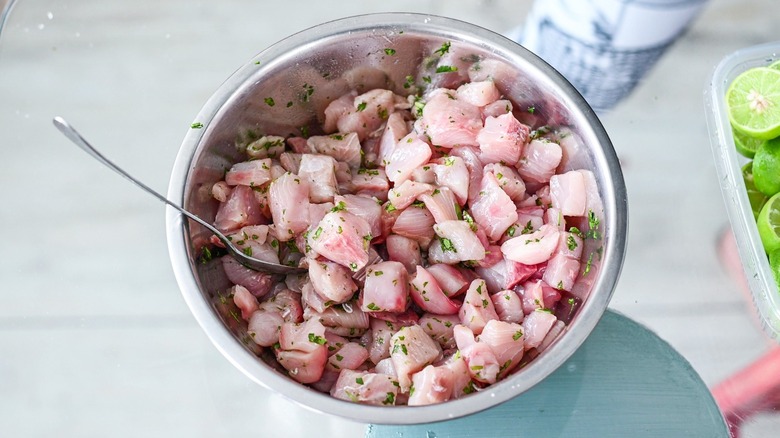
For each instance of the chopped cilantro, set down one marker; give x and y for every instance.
(389, 52)
(446, 245)
(361, 106)
(339, 206)
(372, 306)
(571, 243)
(269, 101)
(316, 339)
(359, 380)
(445, 47)
(446, 69)
(518, 334)
(196, 125)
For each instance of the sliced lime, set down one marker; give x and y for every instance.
(774, 263)
(745, 144)
(768, 224)
(753, 101)
(766, 167)
(756, 198)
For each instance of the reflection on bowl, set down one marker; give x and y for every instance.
(316, 66)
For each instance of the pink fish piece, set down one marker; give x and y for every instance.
(240, 209)
(427, 294)
(331, 281)
(497, 108)
(442, 204)
(411, 350)
(567, 192)
(501, 140)
(343, 238)
(410, 153)
(533, 248)
(386, 288)
(539, 160)
(535, 327)
(289, 199)
(402, 195)
(267, 146)
(561, 272)
(366, 388)
(364, 207)
(456, 243)
(478, 93)
(404, 250)
(351, 356)
(506, 341)
(451, 280)
(244, 300)
(342, 147)
(450, 122)
(320, 174)
(431, 385)
(477, 308)
(257, 283)
(508, 305)
(508, 179)
(493, 209)
(451, 172)
(395, 129)
(264, 327)
(415, 222)
(440, 328)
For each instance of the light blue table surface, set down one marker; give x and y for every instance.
(624, 381)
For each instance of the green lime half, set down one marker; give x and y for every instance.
(768, 224)
(745, 144)
(753, 101)
(766, 167)
(774, 263)
(756, 198)
(775, 65)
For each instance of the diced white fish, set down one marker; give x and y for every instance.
(258, 283)
(303, 366)
(331, 281)
(423, 174)
(431, 385)
(249, 173)
(450, 122)
(395, 129)
(267, 146)
(411, 349)
(351, 356)
(456, 243)
(505, 274)
(451, 172)
(536, 326)
(567, 192)
(299, 145)
(442, 204)
(386, 288)
(290, 161)
(343, 238)
(411, 152)
(287, 303)
(470, 156)
(346, 315)
(533, 248)
(477, 308)
(336, 109)
(364, 207)
(539, 160)
(370, 110)
(220, 190)
(478, 93)
(370, 182)
(366, 388)
(415, 222)
(240, 209)
(532, 295)
(264, 327)
(482, 362)
(508, 305)
(506, 341)
(320, 174)
(561, 272)
(289, 199)
(497, 108)
(508, 179)
(404, 250)
(342, 147)
(313, 300)
(307, 336)
(402, 195)
(502, 139)
(244, 300)
(461, 384)
(440, 328)
(427, 294)
(493, 210)
(451, 280)
(381, 331)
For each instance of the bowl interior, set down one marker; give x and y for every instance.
(306, 71)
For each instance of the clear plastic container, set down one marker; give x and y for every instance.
(729, 165)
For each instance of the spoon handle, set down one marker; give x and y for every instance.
(76, 138)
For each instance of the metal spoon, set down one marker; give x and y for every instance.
(240, 256)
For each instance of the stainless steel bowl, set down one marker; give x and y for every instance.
(330, 59)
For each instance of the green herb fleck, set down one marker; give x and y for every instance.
(372, 306)
(511, 231)
(571, 243)
(359, 380)
(353, 266)
(389, 52)
(443, 49)
(339, 206)
(528, 228)
(446, 69)
(317, 233)
(390, 399)
(409, 81)
(196, 125)
(518, 334)
(205, 255)
(446, 245)
(247, 251)
(316, 339)
(269, 101)
(361, 106)
(531, 109)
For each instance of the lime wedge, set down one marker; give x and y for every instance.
(768, 224)
(756, 198)
(745, 144)
(753, 101)
(766, 167)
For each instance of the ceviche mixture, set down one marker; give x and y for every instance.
(480, 237)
